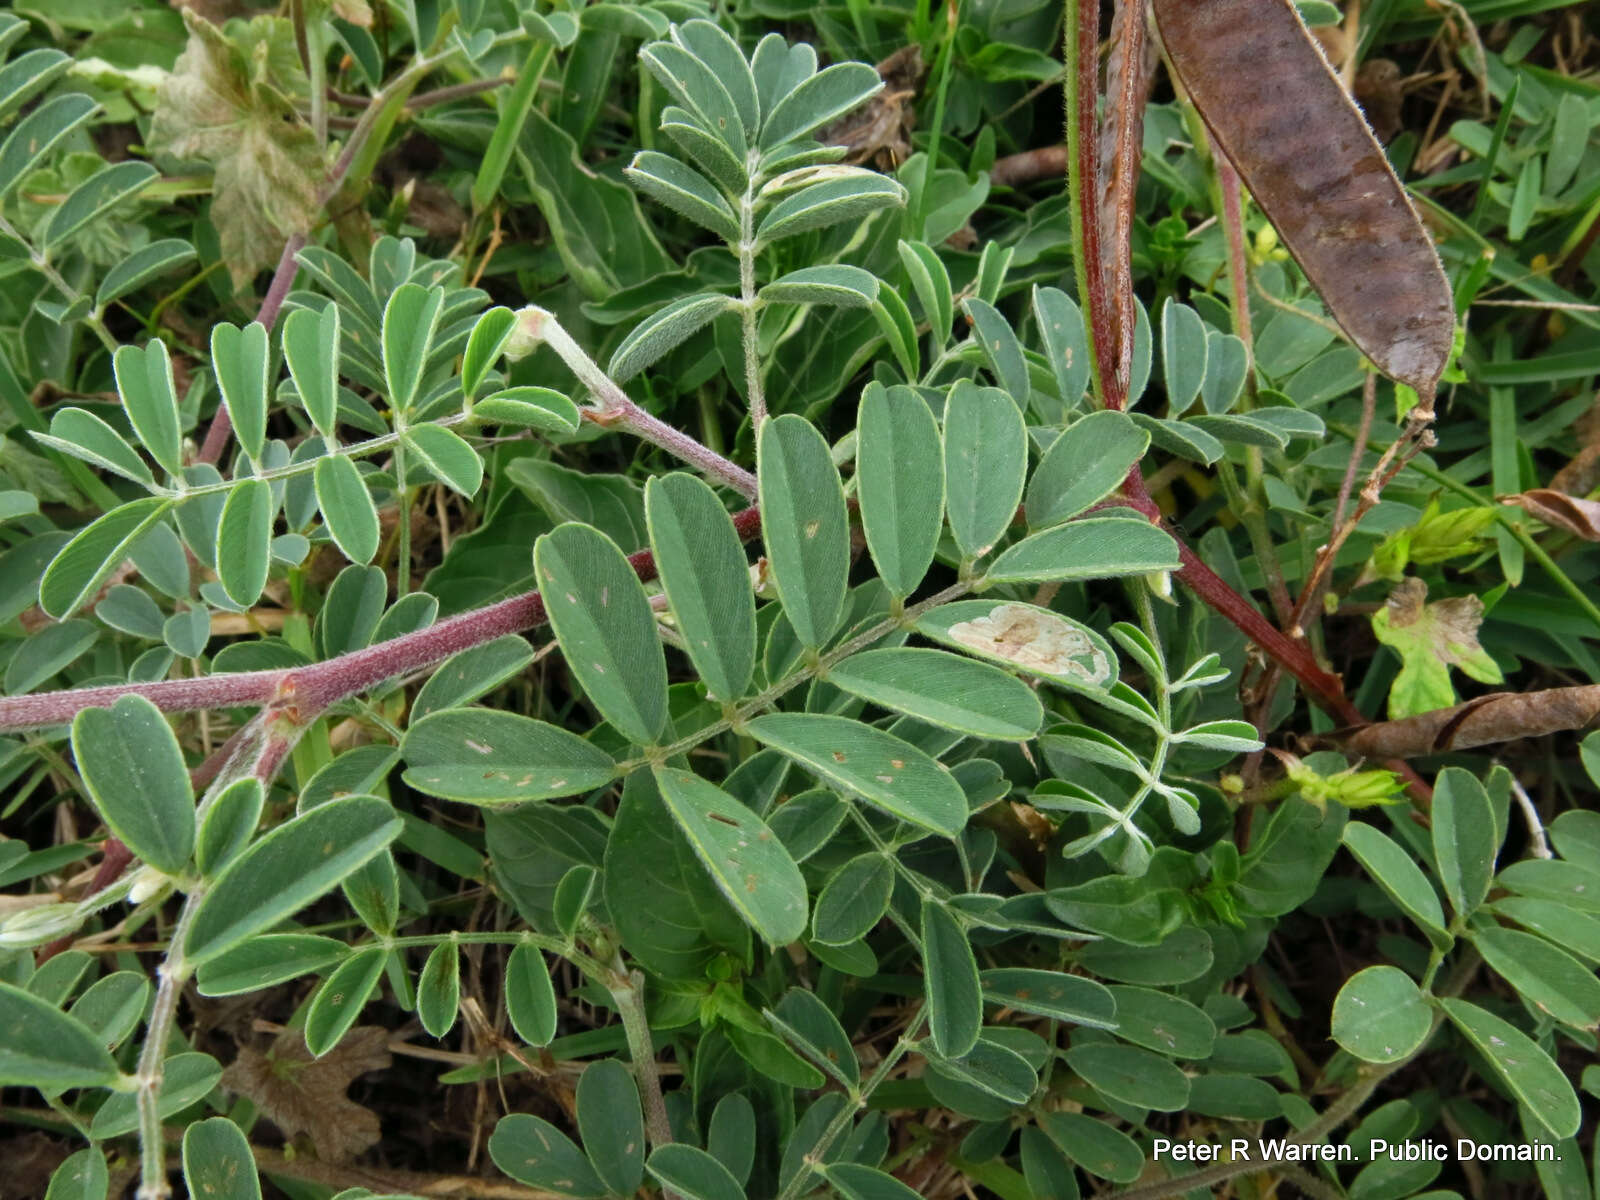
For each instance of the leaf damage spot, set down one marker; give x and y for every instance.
(1036, 641)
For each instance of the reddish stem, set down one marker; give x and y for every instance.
(1097, 303)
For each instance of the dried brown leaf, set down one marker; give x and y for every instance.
(1301, 146)
(1500, 717)
(880, 130)
(305, 1095)
(1561, 511)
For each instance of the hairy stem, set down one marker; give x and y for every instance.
(1083, 172)
(747, 306)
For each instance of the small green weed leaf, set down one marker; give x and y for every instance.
(1576, 932)
(1464, 843)
(447, 456)
(83, 435)
(239, 361)
(805, 525)
(706, 575)
(1083, 466)
(229, 824)
(898, 328)
(352, 609)
(824, 97)
(530, 996)
(217, 1162)
(835, 285)
(41, 1046)
(943, 689)
(1545, 975)
(514, 108)
(1051, 994)
(1545, 1092)
(490, 333)
(1380, 1015)
(850, 198)
(1227, 365)
(529, 408)
(692, 1173)
(471, 674)
(1122, 907)
(347, 507)
(1027, 638)
(1001, 350)
(882, 769)
(1430, 639)
(1066, 341)
(1131, 1075)
(260, 962)
(1167, 1024)
(37, 134)
(484, 756)
(409, 321)
(1184, 439)
(664, 330)
(50, 650)
(1397, 873)
(770, 1058)
(85, 1176)
(341, 998)
(612, 1125)
(439, 989)
(813, 1028)
(29, 73)
(288, 868)
(1553, 879)
(311, 350)
(144, 381)
(113, 1006)
(857, 1182)
(931, 282)
(1183, 353)
(853, 899)
(685, 191)
(244, 540)
(747, 861)
(1091, 548)
(731, 1136)
(186, 1079)
(535, 1152)
(899, 483)
(140, 267)
(950, 979)
(134, 770)
(603, 621)
(985, 463)
(693, 83)
(1048, 1173)
(1576, 835)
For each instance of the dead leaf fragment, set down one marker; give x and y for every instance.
(305, 1095)
(1561, 511)
(1430, 639)
(880, 130)
(1500, 717)
(1035, 641)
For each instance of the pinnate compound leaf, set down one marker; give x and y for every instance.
(603, 621)
(484, 756)
(1545, 1092)
(75, 574)
(217, 1162)
(311, 350)
(1083, 466)
(288, 868)
(1091, 548)
(447, 457)
(1318, 173)
(144, 381)
(805, 525)
(882, 769)
(955, 995)
(692, 1173)
(612, 1125)
(900, 483)
(244, 540)
(134, 770)
(303, 1095)
(706, 575)
(664, 330)
(239, 361)
(1464, 838)
(41, 1046)
(347, 507)
(985, 463)
(535, 1152)
(1380, 1015)
(943, 689)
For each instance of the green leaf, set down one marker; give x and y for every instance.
(1380, 1015)
(1237, 737)
(84, 435)
(663, 330)
(943, 689)
(535, 1152)
(1104, 1152)
(1083, 466)
(409, 321)
(135, 773)
(471, 674)
(244, 540)
(340, 999)
(1545, 1092)
(835, 285)
(311, 349)
(484, 756)
(287, 869)
(217, 1162)
(186, 1079)
(140, 267)
(1169, 1025)
(229, 824)
(898, 329)
(1227, 365)
(851, 198)
(805, 525)
(489, 336)
(950, 980)
(1001, 350)
(272, 958)
(83, 1176)
(607, 632)
(530, 996)
(731, 1137)
(1546, 976)
(144, 380)
(1553, 879)
(347, 507)
(1131, 1075)
(813, 1028)
(1090, 548)
(439, 989)
(98, 194)
(706, 576)
(1183, 354)
(685, 191)
(612, 1125)
(1576, 835)
(900, 483)
(749, 864)
(41, 1046)
(824, 97)
(1066, 341)
(37, 134)
(692, 1173)
(853, 899)
(931, 282)
(1397, 873)
(529, 408)
(447, 457)
(50, 650)
(75, 574)
(1464, 841)
(858, 1182)
(514, 108)
(1051, 994)
(985, 462)
(113, 1006)
(1575, 932)
(989, 1069)
(1430, 639)
(29, 73)
(239, 361)
(880, 768)
(692, 82)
